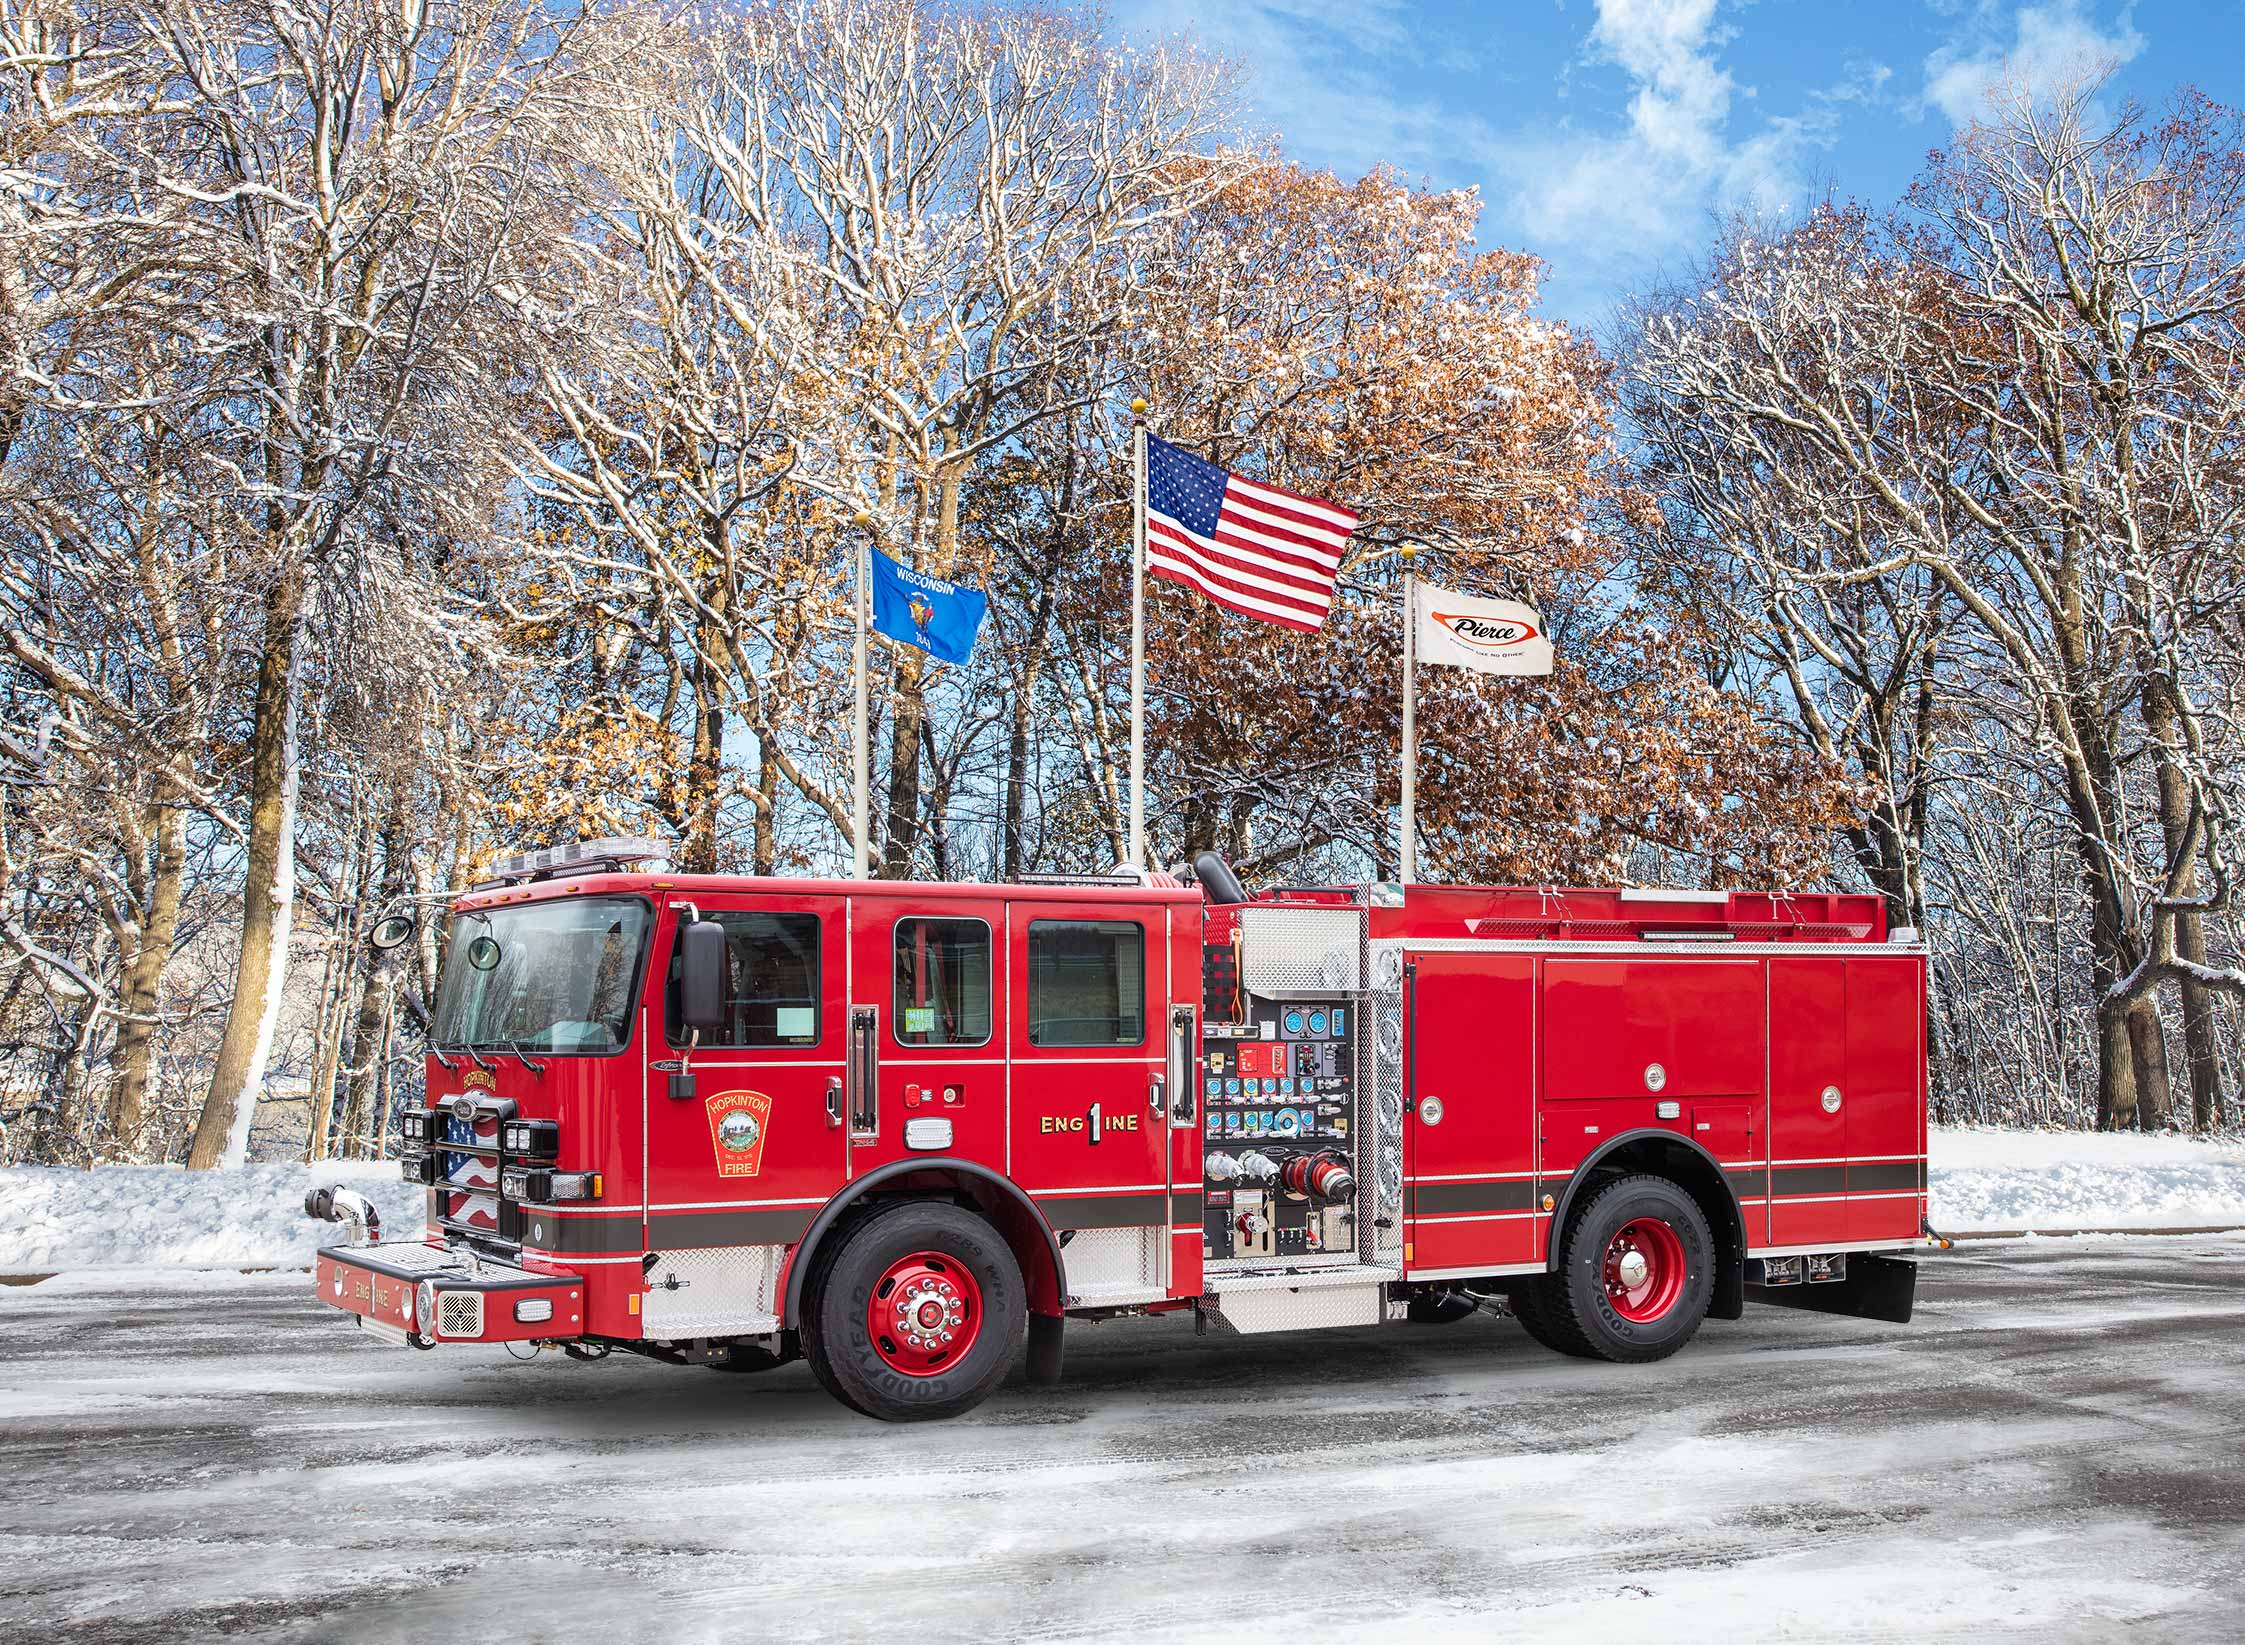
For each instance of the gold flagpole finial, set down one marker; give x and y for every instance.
(1409, 551)
(1138, 408)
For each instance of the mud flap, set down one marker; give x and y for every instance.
(1045, 1342)
(1728, 1299)
(1875, 1288)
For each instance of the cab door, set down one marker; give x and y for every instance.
(1088, 1003)
(927, 1028)
(759, 1145)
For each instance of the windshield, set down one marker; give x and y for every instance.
(545, 976)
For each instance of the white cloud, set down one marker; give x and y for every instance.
(2049, 45)
(1620, 195)
(1348, 85)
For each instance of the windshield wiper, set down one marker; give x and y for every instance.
(474, 1057)
(527, 1060)
(437, 1051)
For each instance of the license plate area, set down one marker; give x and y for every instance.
(469, 1302)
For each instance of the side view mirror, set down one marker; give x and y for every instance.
(701, 976)
(392, 932)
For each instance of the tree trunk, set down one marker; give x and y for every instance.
(2147, 1045)
(359, 1119)
(134, 1057)
(764, 850)
(2116, 1078)
(268, 888)
(2201, 1044)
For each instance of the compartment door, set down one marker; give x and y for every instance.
(1884, 1097)
(1469, 1126)
(1808, 1010)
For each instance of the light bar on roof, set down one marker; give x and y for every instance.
(1654, 893)
(622, 850)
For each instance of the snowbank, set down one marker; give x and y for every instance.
(123, 1216)
(132, 1215)
(1984, 1179)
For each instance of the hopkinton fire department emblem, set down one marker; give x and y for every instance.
(738, 1121)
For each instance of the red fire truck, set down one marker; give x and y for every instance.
(891, 1127)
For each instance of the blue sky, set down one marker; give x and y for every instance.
(1605, 135)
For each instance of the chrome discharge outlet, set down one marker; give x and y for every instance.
(349, 1207)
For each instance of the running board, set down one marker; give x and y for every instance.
(1320, 1299)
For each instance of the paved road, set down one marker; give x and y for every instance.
(2054, 1450)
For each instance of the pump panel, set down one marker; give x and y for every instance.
(1279, 1130)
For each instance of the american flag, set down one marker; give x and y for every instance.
(1250, 547)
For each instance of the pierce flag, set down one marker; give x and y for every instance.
(1493, 636)
(939, 617)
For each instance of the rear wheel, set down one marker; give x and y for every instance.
(918, 1315)
(1636, 1273)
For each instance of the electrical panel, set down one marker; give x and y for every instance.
(1278, 1103)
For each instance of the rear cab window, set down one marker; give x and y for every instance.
(1087, 982)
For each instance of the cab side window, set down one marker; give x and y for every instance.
(772, 981)
(942, 982)
(1087, 982)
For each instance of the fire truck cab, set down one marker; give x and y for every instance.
(891, 1128)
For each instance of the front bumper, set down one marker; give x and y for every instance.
(409, 1292)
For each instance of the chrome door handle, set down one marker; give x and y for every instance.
(834, 1102)
(1154, 1091)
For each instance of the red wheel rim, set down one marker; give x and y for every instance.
(924, 1315)
(1644, 1270)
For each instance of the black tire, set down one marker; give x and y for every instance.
(841, 1349)
(1439, 1308)
(1570, 1310)
(1527, 1309)
(814, 1285)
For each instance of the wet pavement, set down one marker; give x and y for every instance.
(2054, 1449)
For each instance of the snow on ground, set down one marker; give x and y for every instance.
(121, 1216)
(132, 1215)
(1984, 1179)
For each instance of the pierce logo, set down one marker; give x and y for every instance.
(478, 1076)
(1485, 633)
(738, 1124)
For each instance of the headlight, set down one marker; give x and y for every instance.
(531, 1139)
(425, 1307)
(540, 1183)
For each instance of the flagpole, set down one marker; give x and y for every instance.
(861, 805)
(1408, 865)
(1138, 634)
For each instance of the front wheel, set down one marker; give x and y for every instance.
(918, 1315)
(1636, 1273)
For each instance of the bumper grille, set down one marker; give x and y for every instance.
(459, 1313)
